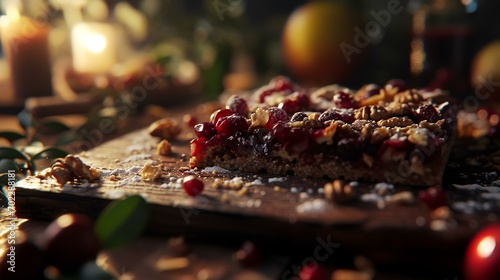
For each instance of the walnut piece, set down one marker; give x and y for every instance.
(164, 148)
(69, 169)
(378, 113)
(380, 134)
(150, 172)
(259, 118)
(167, 128)
(339, 192)
(408, 96)
(395, 121)
(327, 134)
(418, 136)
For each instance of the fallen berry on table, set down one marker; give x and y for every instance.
(192, 185)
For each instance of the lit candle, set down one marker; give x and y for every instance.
(25, 44)
(94, 47)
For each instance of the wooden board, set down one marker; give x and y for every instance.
(283, 211)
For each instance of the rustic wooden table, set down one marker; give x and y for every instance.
(287, 216)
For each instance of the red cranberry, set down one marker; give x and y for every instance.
(398, 144)
(298, 117)
(217, 140)
(264, 92)
(190, 120)
(24, 257)
(371, 90)
(249, 254)
(217, 115)
(237, 105)
(298, 140)
(343, 100)
(335, 114)
(192, 185)
(70, 242)
(198, 146)
(482, 258)
(275, 115)
(281, 84)
(434, 197)
(205, 129)
(396, 83)
(281, 131)
(313, 272)
(231, 124)
(350, 148)
(427, 112)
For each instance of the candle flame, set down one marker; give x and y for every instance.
(12, 9)
(96, 43)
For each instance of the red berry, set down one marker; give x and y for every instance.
(189, 119)
(237, 105)
(249, 254)
(192, 185)
(217, 115)
(70, 242)
(198, 146)
(281, 131)
(231, 124)
(264, 92)
(282, 84)
(313, 272)
(434, 197)
(205, 129)
(343, 100)
(24, 257)
(335, 114)
(298, 117)
(371, 90)
(427, 112)
(396, 83)
(482, 258)
(294, 103)
(276, 115)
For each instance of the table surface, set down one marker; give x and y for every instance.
(215, 255)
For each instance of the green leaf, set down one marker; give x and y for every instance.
(51, 152)
(122, 221)
(53, 127)
(91, 271)
(25, 120)
(4, 179)
(7, 164)
(68, 137)
(11, 153)
(11, 136)
(4, 201)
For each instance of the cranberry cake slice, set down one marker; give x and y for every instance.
(390, 133)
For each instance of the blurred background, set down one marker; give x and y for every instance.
(171, 52)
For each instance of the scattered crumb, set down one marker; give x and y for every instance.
(402, 198)
(277, 179)
(150, 172)
(164, 148)
(343, 274)
(277, 188)
(168, 264)
(384, 188)
(469, 187)
(313, 206)
(216, 169)
(243, 191)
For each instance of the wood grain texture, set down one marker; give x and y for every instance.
(267, 212)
